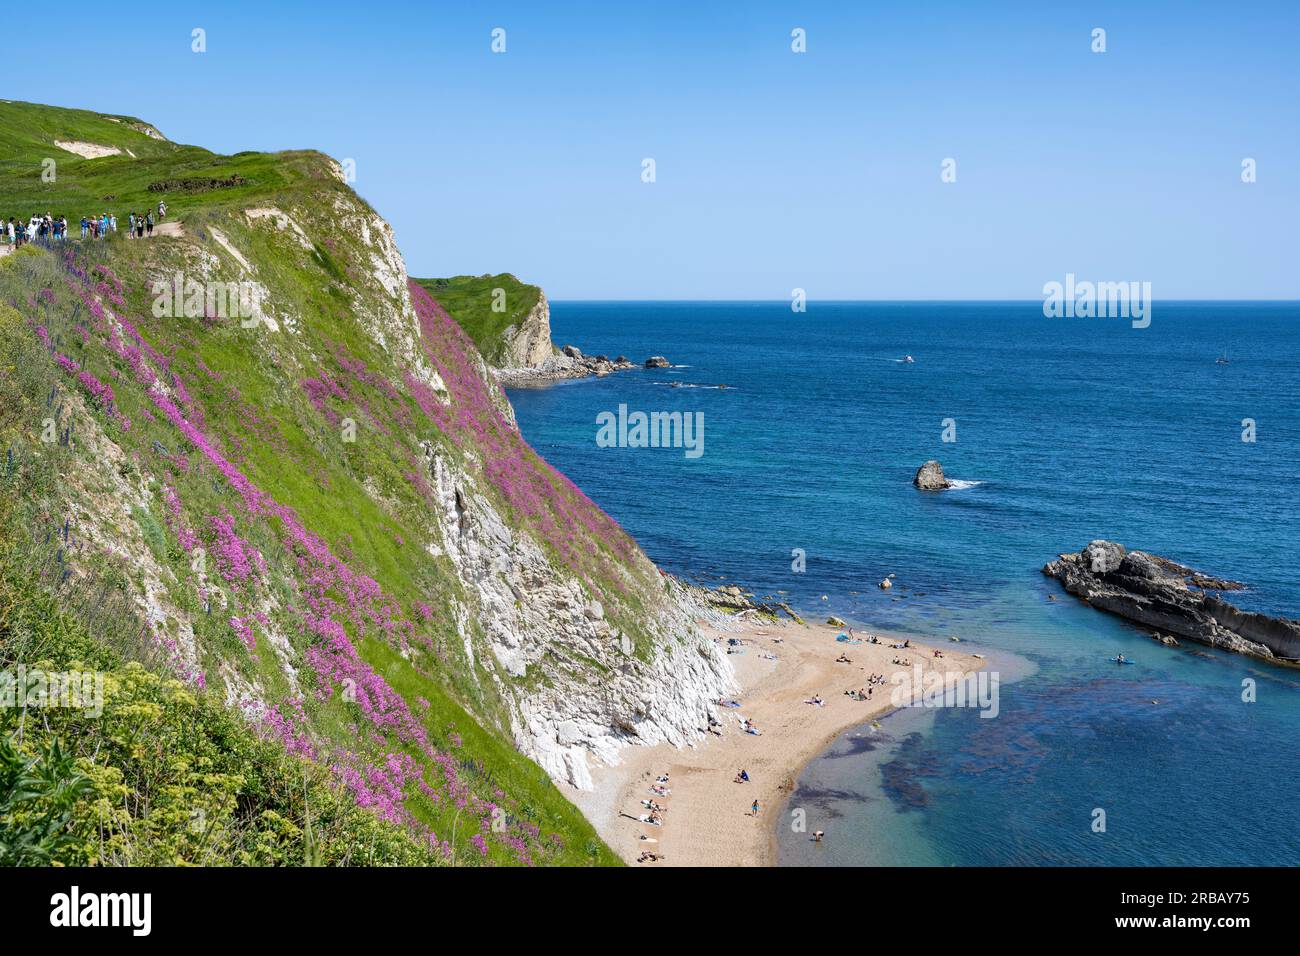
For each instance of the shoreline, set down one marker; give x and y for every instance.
(707, 819)
(567, 364)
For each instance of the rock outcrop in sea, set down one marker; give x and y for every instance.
(930, 477)
(1172, 598)
(562, 366)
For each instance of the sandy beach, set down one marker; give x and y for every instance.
(707, 820)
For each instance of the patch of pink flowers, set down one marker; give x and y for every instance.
(244, 628)
(101, 393)
(538, 493)
(232, 555)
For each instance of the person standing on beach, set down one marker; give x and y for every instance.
(754, 809)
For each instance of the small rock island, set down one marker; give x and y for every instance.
(930, 477)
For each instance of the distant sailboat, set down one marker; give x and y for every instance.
(1223, 360)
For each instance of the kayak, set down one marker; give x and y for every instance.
(1116, 660)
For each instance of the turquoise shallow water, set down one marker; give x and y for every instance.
(1068, 430)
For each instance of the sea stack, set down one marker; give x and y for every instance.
(929, 477)
(656, 361)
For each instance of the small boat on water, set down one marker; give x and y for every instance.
(907, 360)
(1222, 360)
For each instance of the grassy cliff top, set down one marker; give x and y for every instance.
(187, 177)
(470, 301)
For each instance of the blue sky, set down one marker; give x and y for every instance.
(775, 170)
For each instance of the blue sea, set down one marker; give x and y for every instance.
(1065, 430)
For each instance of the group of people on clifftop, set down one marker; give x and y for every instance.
(49, 229)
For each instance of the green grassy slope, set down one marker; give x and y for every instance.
(28, 132)
(258, 534)
(469, 300)
(120, 184)
(155, 774)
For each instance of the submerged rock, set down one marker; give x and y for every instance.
(929, 477)
(1172, 599)
(657, 361)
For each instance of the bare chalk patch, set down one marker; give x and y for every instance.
(87, 150)
(281, 221)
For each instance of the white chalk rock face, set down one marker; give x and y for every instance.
(528, 345)
(531, 612)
